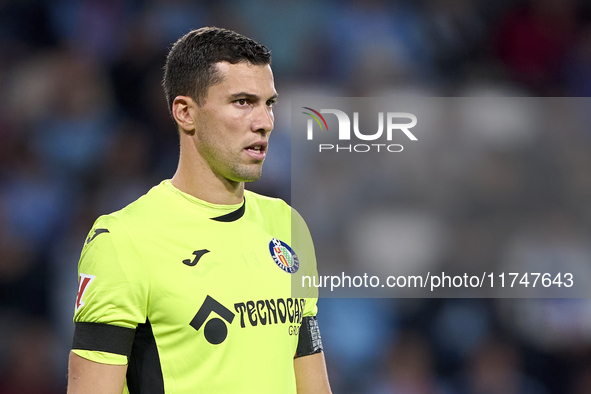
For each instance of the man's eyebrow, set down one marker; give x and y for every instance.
(250, 96)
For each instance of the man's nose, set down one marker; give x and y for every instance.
(264, 119)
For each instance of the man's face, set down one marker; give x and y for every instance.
(233, 125)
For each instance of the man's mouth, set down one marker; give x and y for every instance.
(256, 148)
(257, 151)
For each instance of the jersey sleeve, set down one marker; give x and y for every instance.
(304, 247)
(112, 294)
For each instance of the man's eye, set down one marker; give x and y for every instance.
(270, 103)
(241, 101)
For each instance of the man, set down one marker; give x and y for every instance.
(188, 289)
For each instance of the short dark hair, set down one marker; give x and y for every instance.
(190, 65)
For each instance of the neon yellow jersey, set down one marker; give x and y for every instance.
(195, 296)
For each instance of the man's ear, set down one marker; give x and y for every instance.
(183, 111)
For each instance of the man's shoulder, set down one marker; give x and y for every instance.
(265, 200)
(143, 209)
(275, 209)
(266, 204)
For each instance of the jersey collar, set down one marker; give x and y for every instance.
(232, 216)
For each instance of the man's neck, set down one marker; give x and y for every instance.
(195, 176)
(209, 188)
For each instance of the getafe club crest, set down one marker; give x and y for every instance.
(284, 256)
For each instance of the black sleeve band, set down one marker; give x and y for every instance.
(309, 341)
(102, 337)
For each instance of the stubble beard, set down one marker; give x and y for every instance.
(228, 165)
(246, 172)
(224, 163)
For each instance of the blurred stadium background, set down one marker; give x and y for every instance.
(84, 130)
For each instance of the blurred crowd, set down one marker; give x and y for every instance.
(85, 130)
